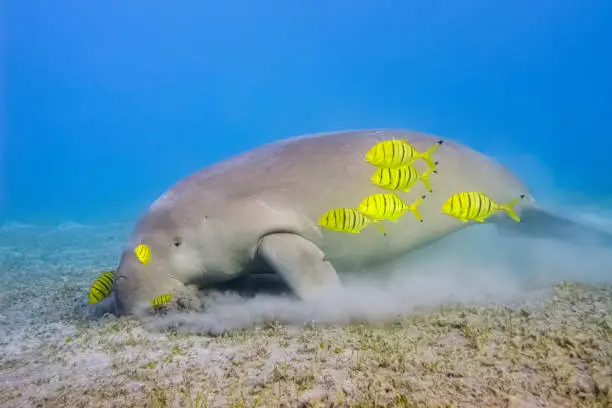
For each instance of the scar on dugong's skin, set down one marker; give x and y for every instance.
(262, 207)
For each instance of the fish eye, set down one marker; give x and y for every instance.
(177, 242)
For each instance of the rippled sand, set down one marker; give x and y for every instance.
(553, 350)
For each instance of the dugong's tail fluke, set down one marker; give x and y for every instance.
(539, 223)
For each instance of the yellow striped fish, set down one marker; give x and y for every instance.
(476, 206)
(401, 178)
(102, 287)
(143, 253)
(388, 206)
(395, 153)
(347, 220)
(161, 300)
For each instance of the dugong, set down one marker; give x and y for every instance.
(261, 210)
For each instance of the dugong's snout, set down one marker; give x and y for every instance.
(129, 281)
(135, 284)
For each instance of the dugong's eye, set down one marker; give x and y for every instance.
(177, 242)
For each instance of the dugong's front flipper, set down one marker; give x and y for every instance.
(300, 263)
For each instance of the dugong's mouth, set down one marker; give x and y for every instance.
(136, 285)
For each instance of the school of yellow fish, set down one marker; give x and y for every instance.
(395, 171)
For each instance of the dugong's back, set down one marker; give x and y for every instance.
(312, 174)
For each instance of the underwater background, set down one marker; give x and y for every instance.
(107, 104)
(104, 105)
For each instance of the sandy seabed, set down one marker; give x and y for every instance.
(549, 347)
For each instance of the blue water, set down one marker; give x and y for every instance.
(105, 104)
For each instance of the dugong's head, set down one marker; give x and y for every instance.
(193, 239)
(171, 256)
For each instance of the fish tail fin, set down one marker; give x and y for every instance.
(509, 208)
(372, 220)
(425, 177)
(379, 226)
(426, 155)
(414, 208)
